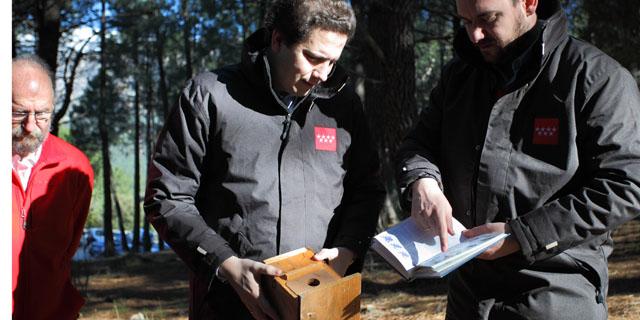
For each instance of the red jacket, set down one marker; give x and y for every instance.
(48, 220)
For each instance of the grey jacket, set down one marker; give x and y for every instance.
(235, 173)
(549, 143)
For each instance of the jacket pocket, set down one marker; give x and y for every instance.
(233, 230)
(598, 278)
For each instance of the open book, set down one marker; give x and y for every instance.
(415, 252)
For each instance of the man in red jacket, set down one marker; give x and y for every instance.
(52, 183)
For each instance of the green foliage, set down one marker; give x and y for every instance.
(123, 186)
(435, 28)
(97, 197)
(65, 133)
(221, 29)
(84, 116)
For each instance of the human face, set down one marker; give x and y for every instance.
(31, 93)
(494, 24)
(299, 67)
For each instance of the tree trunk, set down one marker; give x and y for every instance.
(163, 89)
(47, 17)
(160, 39)
(160, 244)
(146, 236)
(109, 249)
(389, 65)
(136, 155)
(186, 35)
(123, 235)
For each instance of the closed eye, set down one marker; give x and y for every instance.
(314, 59)
(490, 18)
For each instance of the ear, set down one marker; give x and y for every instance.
(277, 40)
(530, 6)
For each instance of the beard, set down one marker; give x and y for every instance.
(23, 143)
(493, 50)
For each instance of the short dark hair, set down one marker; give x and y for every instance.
(295, 19)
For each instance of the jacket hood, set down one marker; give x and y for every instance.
(253, 53)
(551, 20)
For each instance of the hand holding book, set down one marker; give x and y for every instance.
(430, 209)
(416, 253)
(500, 249)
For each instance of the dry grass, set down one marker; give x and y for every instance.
(156, 286)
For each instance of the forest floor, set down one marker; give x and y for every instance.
(155, 286)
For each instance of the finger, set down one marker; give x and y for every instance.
(474, 232)
(325, 253)
(266, 269)
(470, 233)
(450, 225)
(443, 234)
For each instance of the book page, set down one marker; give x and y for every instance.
(462, 250)
(411, 245)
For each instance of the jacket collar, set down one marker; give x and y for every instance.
(255, 65)
(51, 153)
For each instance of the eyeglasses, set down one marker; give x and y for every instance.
(40, 116)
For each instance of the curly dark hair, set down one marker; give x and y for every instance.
(295, 19)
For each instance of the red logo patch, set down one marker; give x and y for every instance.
(545, 131)
(326, 139)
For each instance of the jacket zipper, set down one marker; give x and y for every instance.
(474, 185)
(23, 216)
(287, 126)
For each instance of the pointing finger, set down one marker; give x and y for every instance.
(444, 239)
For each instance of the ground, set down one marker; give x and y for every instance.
(155, 286)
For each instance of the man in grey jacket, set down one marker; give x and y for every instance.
(264, 157)
(533, 133)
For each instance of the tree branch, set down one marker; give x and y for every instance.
(68, 84)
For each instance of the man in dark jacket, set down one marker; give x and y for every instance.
(264, 157)
(533, 133)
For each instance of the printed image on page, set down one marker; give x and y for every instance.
(421, 245)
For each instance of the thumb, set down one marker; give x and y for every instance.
(473, 232)
(328, 254)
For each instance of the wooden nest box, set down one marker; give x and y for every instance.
(311, 289)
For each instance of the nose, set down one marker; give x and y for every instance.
(475, 34)
(322, 71)
(29, 123)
